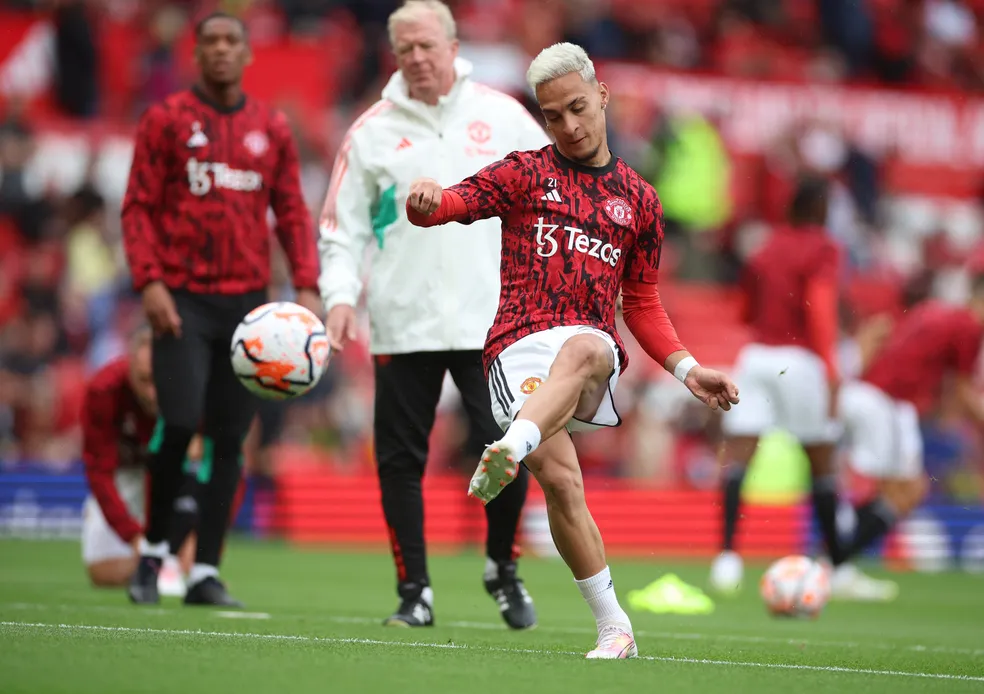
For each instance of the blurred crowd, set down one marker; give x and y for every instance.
(66, 305)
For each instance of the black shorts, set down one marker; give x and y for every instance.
(196, 386)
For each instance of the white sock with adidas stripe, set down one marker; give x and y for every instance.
(599, 593)
(523, 437)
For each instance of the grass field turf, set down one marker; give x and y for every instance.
(323, 634)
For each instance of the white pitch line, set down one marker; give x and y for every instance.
(694, 636)
(463, 647)
(498, 626)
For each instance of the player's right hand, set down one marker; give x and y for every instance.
(159, 306)
(713, 388)
(425, 195)
(341, 326)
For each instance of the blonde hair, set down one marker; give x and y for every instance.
(413, 10)
(558, 60)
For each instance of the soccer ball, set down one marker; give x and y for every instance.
(280, 350)
(795, 586)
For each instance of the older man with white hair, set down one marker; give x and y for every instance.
(578, 226)
(431, 295)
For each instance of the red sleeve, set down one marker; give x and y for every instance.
(100, 455)
(143, 196)
(452, 209)
(821, 308)
(294, 226)
(646, 319)
(493, 190)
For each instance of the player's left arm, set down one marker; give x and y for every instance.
(294, 226)
(647, 320)
(491, 192)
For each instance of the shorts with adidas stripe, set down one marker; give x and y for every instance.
(524, 365)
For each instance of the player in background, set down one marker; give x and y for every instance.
(578, 225)
(931, 342)
(788, 373)
(432, 293)
(208, 164)
(118, 423)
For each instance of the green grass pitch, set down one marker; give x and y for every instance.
(313, 625)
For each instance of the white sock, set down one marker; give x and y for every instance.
(158, 549)
(491, 570)
(599, 593)
(523, 437)
(172, 561)
(427, 595)
(199, 572)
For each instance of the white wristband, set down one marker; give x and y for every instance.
(684, 367)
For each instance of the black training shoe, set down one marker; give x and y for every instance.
(515, 604)
(143, 584)
(415, 608)
(210, 591)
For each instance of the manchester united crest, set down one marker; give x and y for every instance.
(256, 142)
(530, 384)
(619, 211)
(479, 132)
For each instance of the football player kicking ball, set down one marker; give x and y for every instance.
(578, 225)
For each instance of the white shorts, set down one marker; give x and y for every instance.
(882, 433)
(99, 541)
(525, 364)
(781, 387)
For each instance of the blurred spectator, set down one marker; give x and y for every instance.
(76, 58)
(161, 76)
(691, 169)
(847, 24)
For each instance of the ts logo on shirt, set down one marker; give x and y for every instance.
(222, 176)
(576, 241)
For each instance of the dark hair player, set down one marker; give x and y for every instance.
(208, 163)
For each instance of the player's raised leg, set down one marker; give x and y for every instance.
(575, 386)
(503, 514)
(181, 373)
(554, 464)
(408, 387)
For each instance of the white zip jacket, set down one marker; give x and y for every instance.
(428, 289)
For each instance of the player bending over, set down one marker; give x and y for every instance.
(578, 225)
(118, 425)
(788, 373)
(881, 411)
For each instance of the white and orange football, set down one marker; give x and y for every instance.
(795, 586)
(280, 350)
